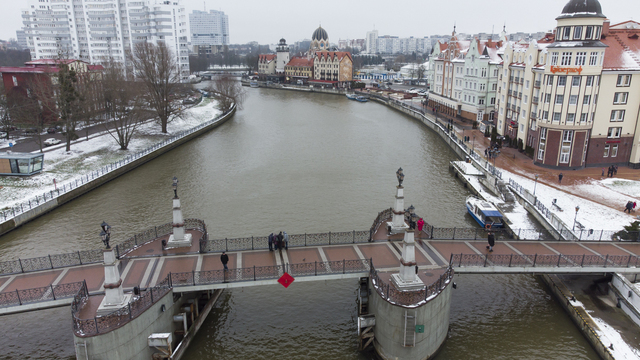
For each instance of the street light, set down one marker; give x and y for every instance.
(575, 218)
(105, 234)
(400, 176)
(535, 184)
(175, 187)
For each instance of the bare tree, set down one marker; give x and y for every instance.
(228, 91)
(123, 102)
(27, 110)
(155, 65)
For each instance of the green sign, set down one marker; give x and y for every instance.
(420, 329)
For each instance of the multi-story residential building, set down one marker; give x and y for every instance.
(22, 39)
(209, 28)
(267, 64)
(463, 78)
(356, 44)
(299, 68)
(336, 66)
(372, 42)
(96, 31)
(571, 99)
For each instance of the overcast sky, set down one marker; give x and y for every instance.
(268, 21)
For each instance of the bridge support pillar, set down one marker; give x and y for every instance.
(114, 297)
(397, 225)
(178, 238)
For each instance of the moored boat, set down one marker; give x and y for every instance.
(485, 213)
(254, 84)
(361, 99)
(351, 96)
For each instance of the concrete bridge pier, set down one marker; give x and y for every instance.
(410, 332)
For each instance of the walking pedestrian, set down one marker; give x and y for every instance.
(486, 153)
(491, 239)
(610, 171)
(271, 242)
(280, 240)
(615, 169)
(224, 258)
(560, 176)
(286, 240)
(602, 171)
(628, 207)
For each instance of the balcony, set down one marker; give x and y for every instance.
(536, 84)
(517, 80)
(535, 100)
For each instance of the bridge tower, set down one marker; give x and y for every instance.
(397, 225)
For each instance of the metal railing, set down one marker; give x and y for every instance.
(44, 293)
(102, 324)
(95, 256)
(538, 260)
(413, 298)
(61, 189)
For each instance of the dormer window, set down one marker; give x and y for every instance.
(589, 33)
(577, 33)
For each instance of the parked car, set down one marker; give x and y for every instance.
(188, 101)
(31, 131)
(51, 141)
(51, 130)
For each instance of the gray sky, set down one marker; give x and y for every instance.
(268, 21)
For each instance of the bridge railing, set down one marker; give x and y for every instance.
(413, 298)
(538, 260)
(295, 240)
(45, 293)
(257, 273)
(17, 209)
(84, 327)
(527, 234)
(94, 256)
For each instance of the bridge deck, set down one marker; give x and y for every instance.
(149, 263)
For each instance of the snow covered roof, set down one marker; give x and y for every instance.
(623, 52)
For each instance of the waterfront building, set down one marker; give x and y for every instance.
(463, 77)
(96, 32)
(335, 67)
(282, 56)
(585, 102)
(267, 64)
(299, 68)
(209, 28)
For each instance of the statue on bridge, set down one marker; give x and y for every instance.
(400, 176)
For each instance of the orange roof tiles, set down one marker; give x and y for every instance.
(623, 52)
(300, 61)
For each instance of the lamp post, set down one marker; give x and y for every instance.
(105, 234)
(535, 184)
(575, 218)
(400, 176)
(175, 187)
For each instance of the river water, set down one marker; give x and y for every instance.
(302, 163)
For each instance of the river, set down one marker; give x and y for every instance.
(298, 162)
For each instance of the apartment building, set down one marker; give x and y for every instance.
(209, 28)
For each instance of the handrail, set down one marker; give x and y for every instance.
(540, 260)
(39, 294)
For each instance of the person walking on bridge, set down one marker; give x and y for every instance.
(286, 240)
(492, 241)
(271, 242)
(420, 224)
(280, 240)
(224, 258)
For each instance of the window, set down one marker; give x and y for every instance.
(550, 80)
(526, 98)
(543, 140)
(493, 101)
(614, 150)
(566, 35)
(480, 101)
(547, 98)
(593, 59)
(589, 80)
(566, 59)
(614, 132)
(554, 58)
(588, 34)
(577, 33)
(573, 100)
(15, 81)
(583, 118)
(607, 149)
(559, 99)
(617, 115)
(575, 81)
(624, 80)
(557, 116)
(565, 151)
(526, 86)
(545, 115)
(586, 100)
(581, 58)
(562, 80)
(571, 118)
(620, 98)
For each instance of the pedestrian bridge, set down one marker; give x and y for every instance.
(53, 280)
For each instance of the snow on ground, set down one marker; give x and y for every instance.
(100, 150)
(591, 214)
(610, 336)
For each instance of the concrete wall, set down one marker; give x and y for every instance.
(99, 181)
(130, 341)
(577, 315)
(390, 327)
(628, 295)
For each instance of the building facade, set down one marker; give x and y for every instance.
(570, 99)
(267, 64)
(97, 31)
(209, 28)
(333, 66)
(282, 56)
(299, 68)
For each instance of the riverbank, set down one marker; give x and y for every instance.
(62, 193)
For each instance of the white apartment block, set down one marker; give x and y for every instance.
(372, 42)
(97, 30)
(209, 28)
(395, 45)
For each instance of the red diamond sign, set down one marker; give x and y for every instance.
(286, 280)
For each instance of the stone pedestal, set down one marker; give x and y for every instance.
(397, 224)
(114, 297)
(178, 238)
(407, 279)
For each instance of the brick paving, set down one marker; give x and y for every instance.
(32, 280)
(93, 274)
(136, 273)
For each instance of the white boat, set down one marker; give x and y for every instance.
(351, 96)
(361, 99)
(254, 84)
(485, 213)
